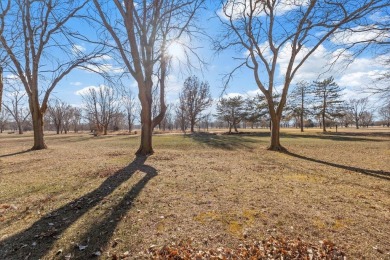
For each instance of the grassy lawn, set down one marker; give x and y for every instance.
(90, 194)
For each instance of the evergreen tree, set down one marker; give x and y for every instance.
(328, 96)
(299, 98)
(255, 109)
(231, 110)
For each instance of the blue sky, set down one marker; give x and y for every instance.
(360, 73)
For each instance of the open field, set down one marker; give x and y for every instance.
(212, 190)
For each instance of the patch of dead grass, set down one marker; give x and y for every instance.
(214, 192)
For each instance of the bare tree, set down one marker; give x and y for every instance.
(366, 118)
(142, 31)
(181, 117)
(57, 111)
(102, 106)
(130, 107)
(76, 118)
(195, 98)
(4, 117)
(15, 104)
(357, 108)
(268, 30)
(42, 49)
(384, 112)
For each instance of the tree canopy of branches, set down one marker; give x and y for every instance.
(357, 108)
(195, 98)
(42, 49)
(384, 112)
(4, 115)
(142, 31)
(15, 104)
(130, 108)
(60, 114)
(101, 106)
(269, 30)
(328, 95)
(231, 110)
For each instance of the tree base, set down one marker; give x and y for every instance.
(144, 152)
(277, 148)
(38, 147)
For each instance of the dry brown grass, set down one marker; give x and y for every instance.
(212, 190)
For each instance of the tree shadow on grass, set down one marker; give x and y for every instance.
(378, 174)
(332, 136)
(44, 232)
(225, 142)
(12, 154)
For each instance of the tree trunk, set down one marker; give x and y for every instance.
(275, 135)
(192, 126)
(323, 123)
(129, 122)
(20, 129)
(1, 86)
(37, 118)
(145, 96)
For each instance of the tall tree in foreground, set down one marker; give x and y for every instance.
(269, 31)
(42, 49)
(143, 31)
(195, 98)
(328, 95)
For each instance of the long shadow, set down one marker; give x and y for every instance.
(378, 174)
(12, 154)
(333, 137)
(325, 136)
(36, 241)
(225, 142)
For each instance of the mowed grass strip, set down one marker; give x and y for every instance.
(90, 195)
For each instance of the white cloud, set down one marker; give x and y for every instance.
(85, 91)
(379, 17)
(103, 68)
(239, 8)
(103, 58)
(76, 49)
(232, 95)
(76, 83)
(360, 34)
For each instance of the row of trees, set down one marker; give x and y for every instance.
(39, 46)
(107, 108)
(322, 100)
